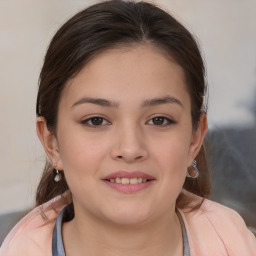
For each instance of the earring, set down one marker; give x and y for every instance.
(195, 172)
(57, 177)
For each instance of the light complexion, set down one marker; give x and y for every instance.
(124, 141)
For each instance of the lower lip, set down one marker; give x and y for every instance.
(129, 188)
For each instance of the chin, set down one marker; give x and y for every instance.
(128, 219)
(128, 215)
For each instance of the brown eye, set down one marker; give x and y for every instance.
(95, 121)
(158, 120)
(161, 121)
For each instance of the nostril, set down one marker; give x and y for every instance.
(136, 158)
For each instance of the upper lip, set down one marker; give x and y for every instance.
(129, 175)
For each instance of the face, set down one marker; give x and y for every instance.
(124, 135)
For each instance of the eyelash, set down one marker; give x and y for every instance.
(86, 122)
(167, 121)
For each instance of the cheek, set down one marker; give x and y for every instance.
(81, 164)
(173, 165)
(80, 154)
(173, 152)
(171, 157)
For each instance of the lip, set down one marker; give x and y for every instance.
(128, 188)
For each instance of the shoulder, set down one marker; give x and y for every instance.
(221, 228)
(33, 234)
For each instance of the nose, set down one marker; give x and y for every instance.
(129, 145)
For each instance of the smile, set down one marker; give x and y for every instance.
(128, 182)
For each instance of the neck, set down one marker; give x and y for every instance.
(86, 235)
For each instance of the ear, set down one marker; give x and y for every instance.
(49, 142)
(197, 138)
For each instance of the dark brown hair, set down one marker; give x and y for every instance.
(112, 24)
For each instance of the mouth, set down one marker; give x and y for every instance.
(124, 181)
(128, 182)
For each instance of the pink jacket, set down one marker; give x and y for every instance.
(213, 230)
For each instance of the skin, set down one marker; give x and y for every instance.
(109, 222)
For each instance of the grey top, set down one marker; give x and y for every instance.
(57, 242)
(186, 250)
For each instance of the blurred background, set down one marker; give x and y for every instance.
(226, 32)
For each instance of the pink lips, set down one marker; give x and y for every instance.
(128, 188)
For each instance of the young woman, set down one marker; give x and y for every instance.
(122, 119)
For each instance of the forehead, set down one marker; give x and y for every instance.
(141, 70)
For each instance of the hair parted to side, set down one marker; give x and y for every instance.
(107, 25)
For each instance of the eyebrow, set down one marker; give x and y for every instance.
(96, 101)
(114, 104)
(159, 101)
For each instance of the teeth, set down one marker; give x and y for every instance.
(133, 181)
(139, 180)
(125, 181)
(118, 180)
(128, 181)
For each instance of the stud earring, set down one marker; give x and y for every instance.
(194, 173)
(57, 177)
